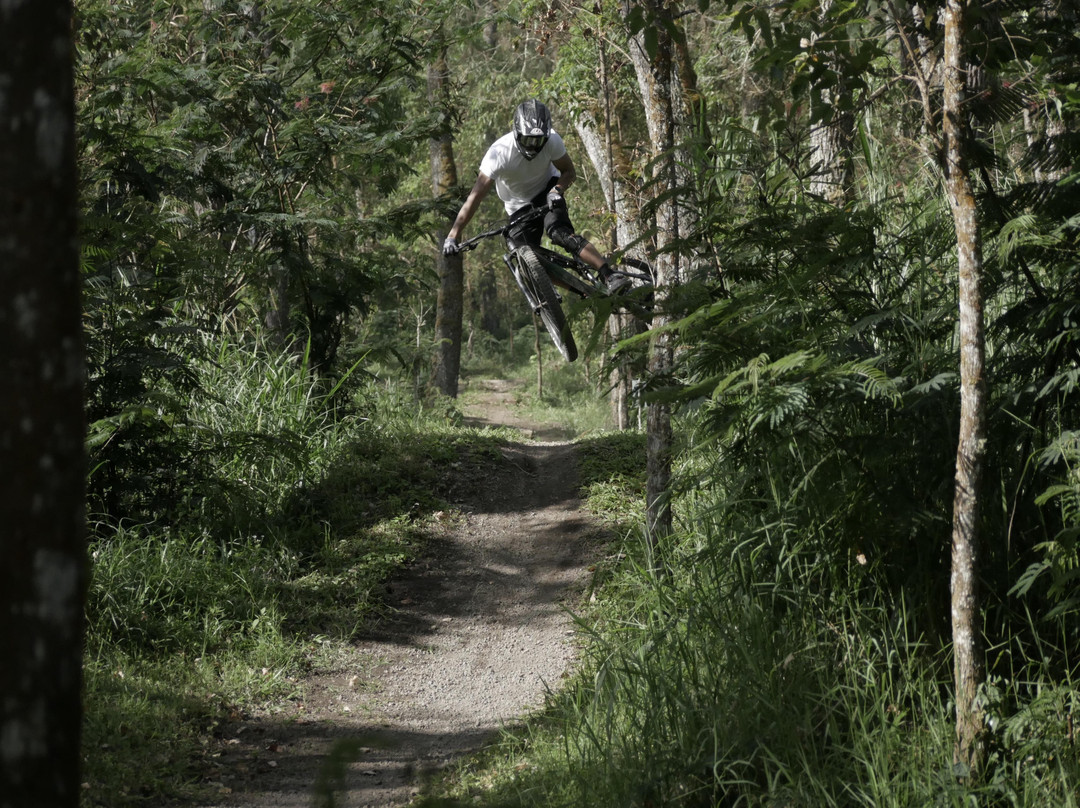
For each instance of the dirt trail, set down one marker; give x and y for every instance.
(478, 632)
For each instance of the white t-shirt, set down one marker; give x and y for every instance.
(518, 180)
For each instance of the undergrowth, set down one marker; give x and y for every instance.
(567, 398)
(310, 495)
(747, 668)
(724, 681)
(301, 497)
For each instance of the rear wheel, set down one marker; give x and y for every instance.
(551, 314)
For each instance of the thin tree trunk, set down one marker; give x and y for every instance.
(537, 346)
(919, 58)
(626, 231)
(832, 128)
(43, 573)
(278, 318)
(488, 294)
(619, 195)
(664, 85)
(450, 304)
(659, 83)
(971, 447)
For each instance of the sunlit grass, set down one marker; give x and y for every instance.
(570, 397)
(697, 689)
(282, 555)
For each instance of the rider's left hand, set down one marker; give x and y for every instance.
(451, 246)
(555, 199)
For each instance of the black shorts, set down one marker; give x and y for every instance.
(531, 231)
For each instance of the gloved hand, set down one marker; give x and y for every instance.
(450, 246)
(555, 199)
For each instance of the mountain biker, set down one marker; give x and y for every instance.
(529, 167)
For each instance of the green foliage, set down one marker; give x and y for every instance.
(251, 170)
(722, 682)
(611, 471)
(220, 430)
(145, 730)
(1058, 557)
(817, 380)
(297, 506)
(794, 649)
(235, 161)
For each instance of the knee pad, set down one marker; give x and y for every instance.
(568, 240)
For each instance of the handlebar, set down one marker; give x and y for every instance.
(641, 269)
(535, 213)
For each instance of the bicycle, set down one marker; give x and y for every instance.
(539, 270)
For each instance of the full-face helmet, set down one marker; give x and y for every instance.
(532, 128)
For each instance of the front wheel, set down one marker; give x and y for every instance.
(544, 297)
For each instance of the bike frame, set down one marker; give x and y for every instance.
(567, 272)
(564, 271)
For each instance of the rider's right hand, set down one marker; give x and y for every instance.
(451, 246)
(555, 199)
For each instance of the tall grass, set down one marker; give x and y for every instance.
(727, 681)
(270, 425)
(293, 517)
(749, 697)
(573, 398)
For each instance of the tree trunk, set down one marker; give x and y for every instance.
(830, 149)
(618, 195)
(278, 319)
(488, 294)
(659, 83)
(43, 574)
(832, 129)
(919, 58)
(537, 348)
(450, 302)
(665, 85)
(601, 152)
(971, 447)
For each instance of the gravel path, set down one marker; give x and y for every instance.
(477, 633)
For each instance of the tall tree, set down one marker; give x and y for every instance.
(588, 75)
(832, 123)
(660, 56)
(971, 447)
(625, 235)
(250, 165)
(42, 578)
(448, 314)
(653, 52)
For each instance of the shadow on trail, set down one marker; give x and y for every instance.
(541, 433)
(314, 763)
(469, 636)
(523, 537)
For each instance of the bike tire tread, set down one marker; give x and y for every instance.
(552, 315)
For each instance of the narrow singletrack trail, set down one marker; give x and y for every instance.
(475, 634)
